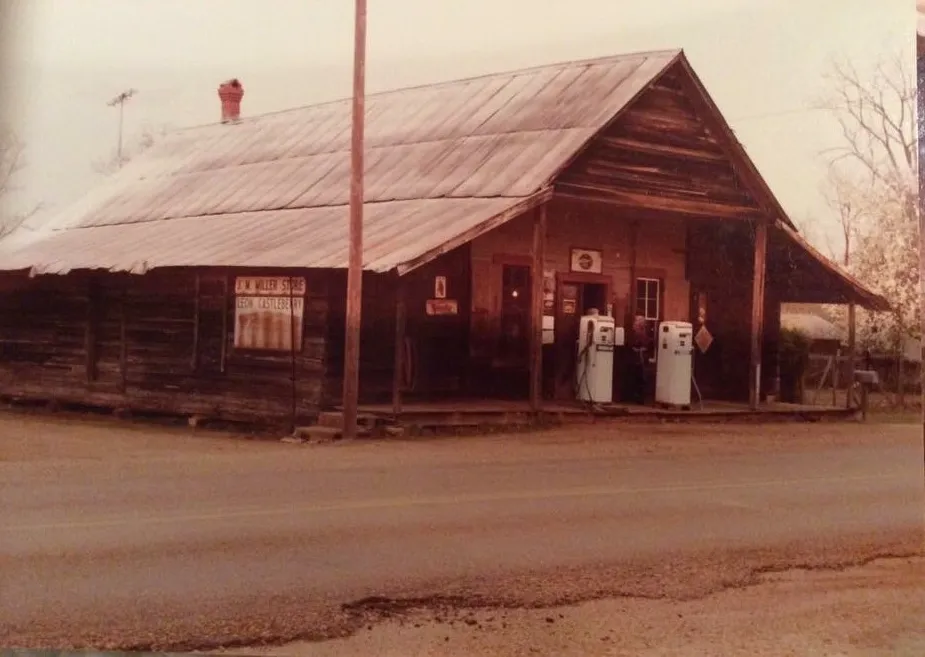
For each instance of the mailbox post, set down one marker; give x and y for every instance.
(865, 379)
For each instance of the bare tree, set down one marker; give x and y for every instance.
(877, 120)
(12, 161)
(809, 228)
(847, 196)
(878, 164)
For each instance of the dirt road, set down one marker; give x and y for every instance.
(127, 536)
(875, 610)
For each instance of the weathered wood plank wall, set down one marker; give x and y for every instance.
(159, 342)
(660, 253)
(720, 265)
(377, 339)
(436, 346)
(44, 333)
(574, 224)
(660, 157)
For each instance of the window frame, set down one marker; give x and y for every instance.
(659, 295)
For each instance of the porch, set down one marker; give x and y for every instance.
(464, 331)
(474, 414)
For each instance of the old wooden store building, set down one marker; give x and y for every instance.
(208, 276)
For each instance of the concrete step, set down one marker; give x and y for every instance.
(331, 419)
(335, 420)
(322, 434)
(317, 434)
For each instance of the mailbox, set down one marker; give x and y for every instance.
(867, 377)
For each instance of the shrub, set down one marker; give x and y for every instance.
(794, 360)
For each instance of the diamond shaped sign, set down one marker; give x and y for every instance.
(703, 339)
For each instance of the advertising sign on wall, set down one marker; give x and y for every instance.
(268, 312)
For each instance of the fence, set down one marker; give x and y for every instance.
(827, 380)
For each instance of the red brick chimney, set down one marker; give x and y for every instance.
(230, 93)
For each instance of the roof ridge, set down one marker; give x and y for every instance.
(673, 52)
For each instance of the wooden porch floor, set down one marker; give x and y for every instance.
(484, 411)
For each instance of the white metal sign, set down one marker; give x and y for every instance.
(587, 260)
(269, 312)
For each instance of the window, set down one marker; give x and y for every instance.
(649, 298)
(649, 307)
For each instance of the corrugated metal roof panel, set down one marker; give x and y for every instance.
(306, 237)
(278, 185)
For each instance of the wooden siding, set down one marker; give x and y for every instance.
(377, 338)
(435, 348)
(159, 342)
(720, 265)
(571, 224)
(659, 156)
(660, 252)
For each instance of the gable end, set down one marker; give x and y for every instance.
(660, 155)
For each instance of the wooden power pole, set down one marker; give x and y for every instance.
(355, 263)
(119, 101)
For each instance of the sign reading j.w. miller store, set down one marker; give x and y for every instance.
(268, 312)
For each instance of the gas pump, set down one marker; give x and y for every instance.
(597, 337)
(674, 364)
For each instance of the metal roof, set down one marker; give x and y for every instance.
(812, 326)
(305, 237)
(441, 161)
(853, 287)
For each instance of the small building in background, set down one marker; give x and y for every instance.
(824, 335)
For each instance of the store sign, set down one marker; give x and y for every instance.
(587, 261)
(269, 312)
(270, 285)
(441, 307)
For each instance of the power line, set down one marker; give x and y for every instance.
(784, 112)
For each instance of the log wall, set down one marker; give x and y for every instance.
(159, 342)
(435, 347)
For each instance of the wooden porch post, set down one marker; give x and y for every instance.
(758, 279)
(398, 373)
(536, 309)
(852, 354)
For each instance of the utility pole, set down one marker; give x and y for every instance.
(355, 263)
(120, 101)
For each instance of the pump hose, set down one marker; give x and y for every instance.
(583, 355)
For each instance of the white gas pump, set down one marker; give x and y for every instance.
(597, 337)
(674, 364)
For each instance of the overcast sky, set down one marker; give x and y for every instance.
(762, 60)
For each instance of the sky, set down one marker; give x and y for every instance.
(763, 61)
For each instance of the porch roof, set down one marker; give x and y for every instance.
(804, 275)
